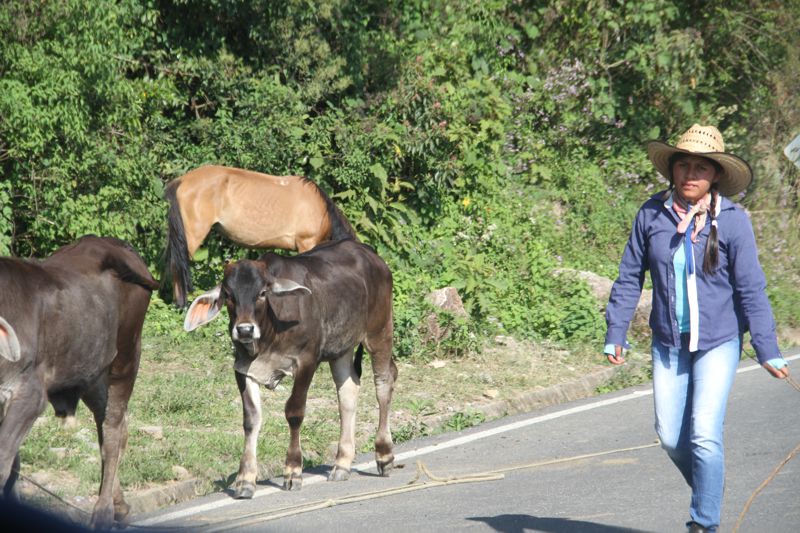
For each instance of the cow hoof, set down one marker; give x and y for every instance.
(292, 482)
(385, 468)
(339, 474)
(244, 490)
(121, 512)
(102, 519)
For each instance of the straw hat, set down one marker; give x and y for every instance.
(705, 141)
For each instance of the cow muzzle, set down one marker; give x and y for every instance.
(246, 332)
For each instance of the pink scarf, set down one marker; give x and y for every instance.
(699, 210)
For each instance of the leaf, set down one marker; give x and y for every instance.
(497, 283)
(379, 172)
(531, 31)
(344, 195)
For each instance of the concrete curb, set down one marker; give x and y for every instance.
(560, 393)
(563, 392)
(158, 497)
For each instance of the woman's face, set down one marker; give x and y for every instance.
(693, 176)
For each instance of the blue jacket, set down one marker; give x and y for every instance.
(731, 301)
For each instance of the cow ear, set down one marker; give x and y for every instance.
(9, 343)
(281, 286)
(203, 309)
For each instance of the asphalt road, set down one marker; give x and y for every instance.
(540, 473)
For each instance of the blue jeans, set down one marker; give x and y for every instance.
(691, 394)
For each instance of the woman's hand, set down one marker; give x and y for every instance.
(776, 373)
(618, 358)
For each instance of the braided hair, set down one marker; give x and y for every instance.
(711, 259)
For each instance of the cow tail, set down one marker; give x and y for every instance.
(358, 358)
(176, 254)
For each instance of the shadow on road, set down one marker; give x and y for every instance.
(520, 523)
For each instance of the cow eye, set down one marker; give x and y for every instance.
(263, 294)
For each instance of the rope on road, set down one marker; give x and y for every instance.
(413, 485)
(762, 486)
(777, 469)
(578, 457)
(793, 383)
(264, 516)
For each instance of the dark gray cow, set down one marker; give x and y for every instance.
(70, 329)
(289, 314)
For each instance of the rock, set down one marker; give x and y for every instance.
(180, 473)
(601, 289)
(157, 432)
(437, 364)
(59, 452)
(505, 340)
(446, 299)
(491, 393)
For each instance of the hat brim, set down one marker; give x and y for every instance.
(737, 174)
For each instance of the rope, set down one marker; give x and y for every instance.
(762, 486)
(84, 512)
(51, 493)
(422, 469)
(264, 516)
(777, 469)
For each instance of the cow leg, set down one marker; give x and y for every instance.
(109, 405)
(245, 485)
(9, 491)
(385, 374)
(347, 386)
(295, 412)
(26, 403)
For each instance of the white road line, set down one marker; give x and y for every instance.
(310, 479)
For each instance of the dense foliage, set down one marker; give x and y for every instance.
(494, 146)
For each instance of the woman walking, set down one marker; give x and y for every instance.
(708, 290)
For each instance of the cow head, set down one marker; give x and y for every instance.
(9, 343)
(246, 289)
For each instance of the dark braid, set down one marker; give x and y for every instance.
(711, 259)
